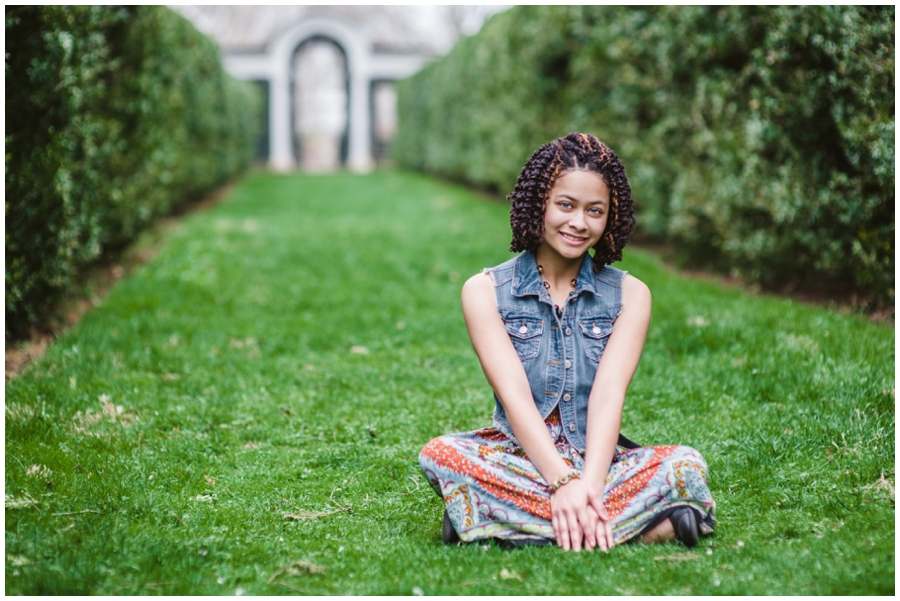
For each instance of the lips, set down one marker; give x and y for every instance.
(572, 238)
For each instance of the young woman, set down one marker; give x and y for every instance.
(559, 334)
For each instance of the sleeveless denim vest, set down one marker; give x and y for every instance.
(560, 355)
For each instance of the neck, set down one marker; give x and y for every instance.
(559, 271)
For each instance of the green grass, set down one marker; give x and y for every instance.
(290, 352)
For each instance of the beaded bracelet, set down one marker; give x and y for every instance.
(573, 475)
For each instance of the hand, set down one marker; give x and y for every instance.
(579, 518)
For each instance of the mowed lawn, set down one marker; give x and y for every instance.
(244, 415)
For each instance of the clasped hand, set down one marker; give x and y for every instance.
(579, 518)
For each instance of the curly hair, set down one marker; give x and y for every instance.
(546, 165)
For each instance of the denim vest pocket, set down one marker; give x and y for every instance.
(525, 333)
(596, 334)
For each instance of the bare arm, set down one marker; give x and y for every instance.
(617, 366)
(506, 375)
(578, 506)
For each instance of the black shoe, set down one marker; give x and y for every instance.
(687, 532)
(519, 543)
(449, 534)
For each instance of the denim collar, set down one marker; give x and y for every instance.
(527, 281)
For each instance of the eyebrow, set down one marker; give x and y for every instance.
(590, 202)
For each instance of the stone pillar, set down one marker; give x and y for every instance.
(281, 156)
(359, 155)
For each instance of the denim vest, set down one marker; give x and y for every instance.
(560, 355)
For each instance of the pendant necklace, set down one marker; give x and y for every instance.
(559, 312)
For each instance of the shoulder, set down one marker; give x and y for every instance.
(479, 283)
(633, 287)
(478, 290)
(635, 293)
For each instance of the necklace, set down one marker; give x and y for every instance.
(574, 282)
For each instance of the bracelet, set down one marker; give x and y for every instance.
(573, 475)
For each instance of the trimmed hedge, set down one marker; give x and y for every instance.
(758, 140)
(114, 115)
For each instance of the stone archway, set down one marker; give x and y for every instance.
(354, 45)
(364, 65)
(320, 111)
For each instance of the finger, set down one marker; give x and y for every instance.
(598, 525)
(588, 521)
(604, 529)
(556, 530)
(574, 532)
(602, 541)
(598, 506)
(608, 534)
(562, 532)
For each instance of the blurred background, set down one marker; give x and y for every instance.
(758, 141)
(319, 58)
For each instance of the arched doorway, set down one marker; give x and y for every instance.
(320, 104)
(366, 71)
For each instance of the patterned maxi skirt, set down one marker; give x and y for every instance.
(492, 490)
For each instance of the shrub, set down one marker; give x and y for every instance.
(113, 116)
(759, 140)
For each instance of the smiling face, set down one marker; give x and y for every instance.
(575, 215)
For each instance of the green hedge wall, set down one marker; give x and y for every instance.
(758, 140)
(114, 115)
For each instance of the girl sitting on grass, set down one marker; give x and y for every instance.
(559, 334)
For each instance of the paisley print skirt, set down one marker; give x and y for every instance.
(492, 490)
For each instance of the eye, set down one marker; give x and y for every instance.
(596, 212)
(565, 204)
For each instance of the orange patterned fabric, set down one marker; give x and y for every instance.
(492, 490)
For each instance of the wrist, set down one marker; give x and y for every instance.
(593, 480)
(595, 476)
(563, 480)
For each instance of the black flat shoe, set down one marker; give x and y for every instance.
(687, 532)
(518, 543)
(449, 534)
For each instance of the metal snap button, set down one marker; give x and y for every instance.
(567, 397)
(595, 330)
(523, 330)
(572, 427)
(568, 331)
(568, 364)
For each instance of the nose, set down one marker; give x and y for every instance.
(576, 220)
